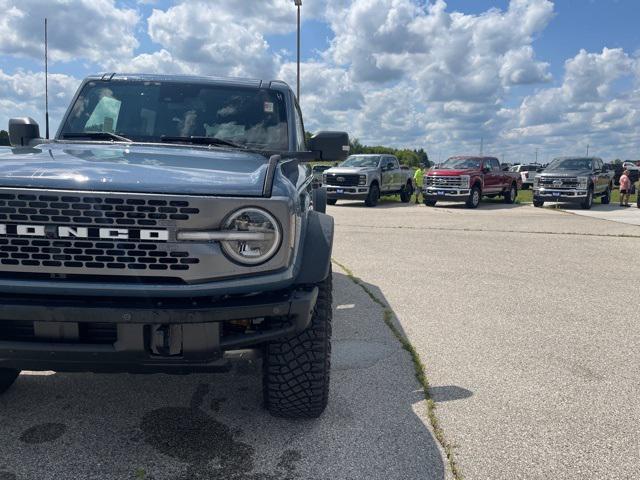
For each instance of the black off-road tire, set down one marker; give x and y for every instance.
(332, 201)
(429, 202)
(474, 197)
(406, 193)
(319, 198)
(538, 203)
(295, 377)
(511, 195)
(587, 203)
(605, 199)
(7, 377)
(373, 196)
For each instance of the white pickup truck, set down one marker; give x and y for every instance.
(368, 177)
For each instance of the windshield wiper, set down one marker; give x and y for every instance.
(202, 141)
(97, 136)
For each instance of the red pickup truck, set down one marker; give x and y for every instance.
(468, 179)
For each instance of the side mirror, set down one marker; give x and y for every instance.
(331, 146)
(23, 132)
(486, 169)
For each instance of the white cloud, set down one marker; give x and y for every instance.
(22, 94)
(96, 30)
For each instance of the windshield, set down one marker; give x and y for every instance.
(571, 164)
(461, 163)
(151, 111)
(361, 161)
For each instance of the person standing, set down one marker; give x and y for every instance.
(418, 181)
(625, 189)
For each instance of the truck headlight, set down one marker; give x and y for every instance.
(261, 243)
(324, 178)
(583, 183)
(464, 180)
(536, 182)
(362, 180)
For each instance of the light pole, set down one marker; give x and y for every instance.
(298, 4)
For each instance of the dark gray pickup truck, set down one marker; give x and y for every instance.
(171, 225)
(573, 179)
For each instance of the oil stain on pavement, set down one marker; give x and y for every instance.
(43, 433)
(207, 445)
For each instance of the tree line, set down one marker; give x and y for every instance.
(412, 158)
(4, 138)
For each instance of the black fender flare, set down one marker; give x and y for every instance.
(316, 250)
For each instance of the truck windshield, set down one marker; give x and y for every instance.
(571, 164)
(461, 163)
(160, 111)
(361, 161)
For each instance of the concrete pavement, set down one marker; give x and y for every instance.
(532, 311)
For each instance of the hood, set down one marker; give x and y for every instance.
(134, 168)
(565, 173)
(348, 170)
(450, 173)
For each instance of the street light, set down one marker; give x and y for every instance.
(298, 4)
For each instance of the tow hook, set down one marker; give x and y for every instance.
(166, 340)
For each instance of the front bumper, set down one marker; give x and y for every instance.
(547, 194)
(353, 192)
(116, 335)
(446, 193)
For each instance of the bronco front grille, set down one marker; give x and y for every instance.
(83, 210)
(79, 254)
(445, 181)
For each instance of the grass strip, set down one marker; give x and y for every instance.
(421, 376)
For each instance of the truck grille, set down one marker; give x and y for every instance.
(347, 180)
(98, 333)
(559, 182)
(79, 254)
(445, 181)
(87, 210)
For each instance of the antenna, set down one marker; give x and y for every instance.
(46, 79)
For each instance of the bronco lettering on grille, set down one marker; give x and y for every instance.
(51, 231)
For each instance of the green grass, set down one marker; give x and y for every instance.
(420, 374)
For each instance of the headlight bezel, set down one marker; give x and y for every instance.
(362, 180)
(235, 256)
(583, 182)
(465, 180)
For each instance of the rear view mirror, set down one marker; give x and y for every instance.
(330, 146)
(23, 132)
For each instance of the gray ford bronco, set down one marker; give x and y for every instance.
(170, 226)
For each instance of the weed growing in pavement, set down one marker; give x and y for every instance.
(418, 366)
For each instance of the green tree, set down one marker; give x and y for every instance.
(4, 138)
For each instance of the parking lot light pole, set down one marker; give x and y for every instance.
(298, 4)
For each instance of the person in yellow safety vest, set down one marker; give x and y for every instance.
(418, 181)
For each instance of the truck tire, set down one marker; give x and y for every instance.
(373, 196)
(511, 194)
(332, 201)
(296, 370)
(7, 377)
(587, 203)
(538, 203)
(406, 192)
(605, 199)
(474, 197)
(319, 199)
(430, 202)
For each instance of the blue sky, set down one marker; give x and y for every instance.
(523, 74)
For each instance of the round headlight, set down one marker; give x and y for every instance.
(257, 221)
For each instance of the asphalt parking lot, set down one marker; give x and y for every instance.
(524, 318)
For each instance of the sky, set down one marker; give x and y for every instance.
(519, 75)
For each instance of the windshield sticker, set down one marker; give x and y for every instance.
(268, 107)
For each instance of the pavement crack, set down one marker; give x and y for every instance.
(420, 373)
(488, 230)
